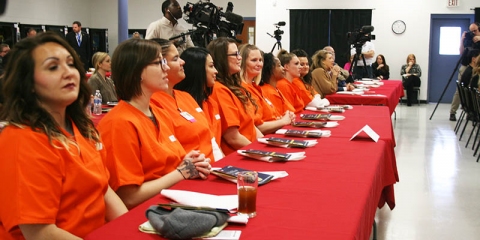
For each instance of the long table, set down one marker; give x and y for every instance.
(332, 194)
(392, 91)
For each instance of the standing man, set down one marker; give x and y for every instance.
(31, 32)
(168, 26)
(475, 44)
(368, 53)
(80, 41)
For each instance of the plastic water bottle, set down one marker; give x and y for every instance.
(97, 103)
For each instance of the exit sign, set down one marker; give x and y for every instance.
(453, 3)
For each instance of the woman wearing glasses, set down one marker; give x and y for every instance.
(144, 156)
(237, 108)
(190, 124)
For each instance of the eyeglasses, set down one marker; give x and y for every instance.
(235, 54)
(162, 63)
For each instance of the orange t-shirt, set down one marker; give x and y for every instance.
(304, 93)
(269, 113)
(277, 99)
(288, 90)
(137, 150)
(194, 134)
(210, 108)
(233, 114)
(43, 184)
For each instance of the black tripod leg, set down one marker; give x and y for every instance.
(446, 86)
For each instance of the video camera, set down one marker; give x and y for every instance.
(359, 37)
(277, 34)
(468, 41)
(211, 22)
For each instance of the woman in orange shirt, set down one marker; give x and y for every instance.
(190, 124)
(304, 82)
(273, 71)
(251, 68)
(200, 74)
(291, 64)
(144, 156)
(237, 108)
(54, 183)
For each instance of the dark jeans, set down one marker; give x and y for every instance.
(359, 72)
(408, 84)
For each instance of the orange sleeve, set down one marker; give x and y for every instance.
(286, 88)
(233, 114)
(302, 90)
(193, 134)
(210, 107)
(276, 98)
(137, 151)
(50, 185)
(229, 112)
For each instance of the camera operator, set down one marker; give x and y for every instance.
(368, 52)
(168, 27)
(471, 43)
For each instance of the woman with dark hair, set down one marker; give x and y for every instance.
(380, 68)
(272, 72)
(190, 124)
(304, 82)
(291, 64)
(236, 106)
(52, 169)
(144, 155)
(267, 119)
(200, 75)
(411, 73)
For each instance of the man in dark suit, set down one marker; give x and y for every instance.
(80, 41)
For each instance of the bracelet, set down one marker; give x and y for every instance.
(181, 174)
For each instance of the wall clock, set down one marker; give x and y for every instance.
(399, 27)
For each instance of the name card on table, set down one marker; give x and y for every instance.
(369, 131)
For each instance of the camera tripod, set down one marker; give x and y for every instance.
(278, 43)
(358, 54)
(449, 80)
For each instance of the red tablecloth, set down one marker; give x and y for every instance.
(392, 89)
(332, 194)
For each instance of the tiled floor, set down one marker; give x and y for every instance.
(438, 196)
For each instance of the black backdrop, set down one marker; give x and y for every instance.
(312, 30)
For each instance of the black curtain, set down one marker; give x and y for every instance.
(477, 15)
(343, 21)
(312, 30)
(309, 29)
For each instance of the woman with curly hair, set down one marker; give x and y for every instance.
(237, 108)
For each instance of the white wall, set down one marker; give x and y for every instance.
(49, 12)
(415, 13)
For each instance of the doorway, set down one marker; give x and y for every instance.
(445, 34)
